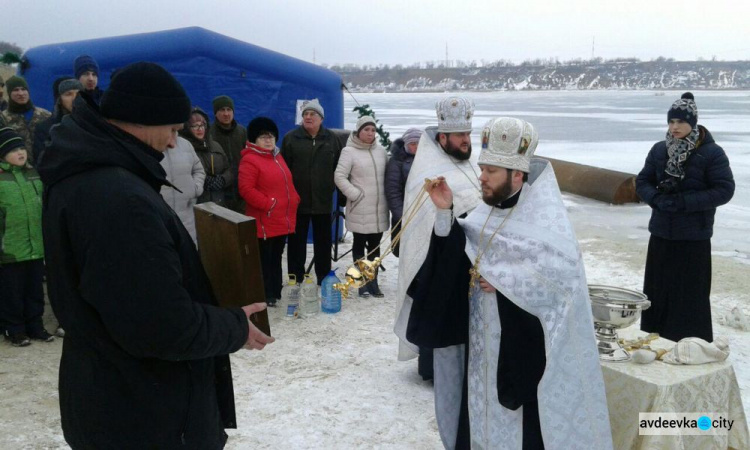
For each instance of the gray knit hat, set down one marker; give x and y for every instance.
(313, 104)
(69, 85)
(411, 135)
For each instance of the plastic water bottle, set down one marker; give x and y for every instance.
(331, 302)
(309, 305)
(290, 294)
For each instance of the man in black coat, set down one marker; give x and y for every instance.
(312, 153)
(145, 358)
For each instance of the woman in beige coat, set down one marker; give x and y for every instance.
(360, 175)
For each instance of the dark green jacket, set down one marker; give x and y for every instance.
(20, 214)
(233, 142)
(312, 162)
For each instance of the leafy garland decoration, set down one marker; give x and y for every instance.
(365, 110)
(10, 58)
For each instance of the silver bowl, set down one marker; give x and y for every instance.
(614, 308)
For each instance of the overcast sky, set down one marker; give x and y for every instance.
(406, 31)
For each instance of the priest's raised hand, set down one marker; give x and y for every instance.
(440, 193)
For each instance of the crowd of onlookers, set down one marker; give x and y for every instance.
(285, 182)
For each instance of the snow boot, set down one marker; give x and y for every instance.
(374, 288)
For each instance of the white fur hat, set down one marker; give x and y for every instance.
(508, 142)
(454, 115)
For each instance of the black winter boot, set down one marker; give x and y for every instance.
(374, 288)
(364, 291)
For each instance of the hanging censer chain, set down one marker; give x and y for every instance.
(364, 270)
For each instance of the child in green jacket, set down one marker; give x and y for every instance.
(21, 247)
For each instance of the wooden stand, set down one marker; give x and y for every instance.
(228, 246)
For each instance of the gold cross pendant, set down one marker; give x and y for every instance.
(474, 272)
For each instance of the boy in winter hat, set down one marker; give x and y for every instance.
(21, 248)
(86, 71)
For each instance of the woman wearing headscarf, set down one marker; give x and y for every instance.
(219, 178)
(360, 175)
(685, 178)
(403, 151)
(265, 183)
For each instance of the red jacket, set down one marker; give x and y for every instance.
(265, 183)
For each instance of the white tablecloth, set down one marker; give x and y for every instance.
(660, 387)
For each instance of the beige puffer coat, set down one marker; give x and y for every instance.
(360, 175)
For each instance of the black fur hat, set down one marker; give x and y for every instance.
(260, 125)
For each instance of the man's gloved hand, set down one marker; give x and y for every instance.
(669, 202)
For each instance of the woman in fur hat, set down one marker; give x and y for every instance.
(265, 184)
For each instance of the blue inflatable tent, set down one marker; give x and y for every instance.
(261, 82)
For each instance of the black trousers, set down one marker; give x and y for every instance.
(678, 283)
(297, 249)
(22, 297)
(369, 241)
(271, 250)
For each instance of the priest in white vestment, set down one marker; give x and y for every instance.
(443, 150)
(526, 374)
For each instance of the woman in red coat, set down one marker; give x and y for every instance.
(265, 183)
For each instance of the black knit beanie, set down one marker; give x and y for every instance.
(15, 82)
(222, 101)
(684, 109)
(145, 93)
(9, 141)
(85, 63)
(261, 125)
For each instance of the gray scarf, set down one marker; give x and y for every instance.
(679, 151)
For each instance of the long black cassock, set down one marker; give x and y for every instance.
(440, 318)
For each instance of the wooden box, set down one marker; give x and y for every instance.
(228, 246)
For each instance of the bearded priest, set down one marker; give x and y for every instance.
(525, 371)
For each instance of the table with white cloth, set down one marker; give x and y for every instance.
(659, 387)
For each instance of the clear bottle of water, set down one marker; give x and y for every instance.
(331, 301)
(309, 304)
(290, 295)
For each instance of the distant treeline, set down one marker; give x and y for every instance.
(549, 74)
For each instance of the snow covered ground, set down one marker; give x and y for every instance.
(334, 381)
